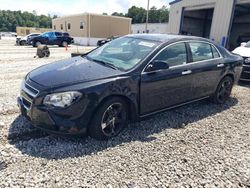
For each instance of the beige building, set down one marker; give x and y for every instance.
(225, 21)
(23, 31)
(87, 28)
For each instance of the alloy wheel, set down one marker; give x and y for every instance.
(224, 90)
(113, 119)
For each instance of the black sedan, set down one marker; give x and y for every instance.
(126, 79)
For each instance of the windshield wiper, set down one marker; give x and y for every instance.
(104, 63)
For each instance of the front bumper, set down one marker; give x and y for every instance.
(48, 121)
(62, 121)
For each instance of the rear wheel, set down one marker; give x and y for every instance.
(109, 120)
(223, 91)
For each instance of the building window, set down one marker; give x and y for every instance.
(69, 26)
(54, 27)
(61, 26)
(81, 25)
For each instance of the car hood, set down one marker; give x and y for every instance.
(69, 71)
(242, 51)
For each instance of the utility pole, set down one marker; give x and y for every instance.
(147, 18)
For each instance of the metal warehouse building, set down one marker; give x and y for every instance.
(225, 21)
(87, 28)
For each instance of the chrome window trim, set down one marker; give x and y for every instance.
(187, 41)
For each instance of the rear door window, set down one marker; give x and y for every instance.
(201, 51)
(174, 55)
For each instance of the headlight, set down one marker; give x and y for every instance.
(64, 99)
(247, 60)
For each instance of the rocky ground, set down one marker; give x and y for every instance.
(198, 145)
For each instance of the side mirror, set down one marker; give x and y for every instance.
(243, 44)
(157, 65)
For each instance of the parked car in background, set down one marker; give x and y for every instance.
(52, 38)
(127, 79)
(104, 41)
(23, 40)
(244, 51)
(29, 39)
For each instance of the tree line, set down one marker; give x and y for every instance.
(9, 20)
(139, 14)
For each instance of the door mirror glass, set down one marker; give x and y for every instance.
(243, 44)
(157, 65)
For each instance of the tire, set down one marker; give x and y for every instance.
(36, 44)
(64, 44)
(109, 119)
(223, 90)
(22, 43)
(43, 51)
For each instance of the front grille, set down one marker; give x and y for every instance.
(26, 103)
(30, 91)
(28, 94)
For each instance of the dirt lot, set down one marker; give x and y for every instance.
(199, 145)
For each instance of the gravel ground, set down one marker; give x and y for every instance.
(198, 145)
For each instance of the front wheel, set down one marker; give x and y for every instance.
(36, 44)
(22, 43)
(109, 120)
(223, 90)
(64, 44)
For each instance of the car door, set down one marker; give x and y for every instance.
(52, 38)
(45, 38)
(165, 88)
(59, 38)
(207, 68)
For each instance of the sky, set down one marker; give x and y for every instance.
(67, 7)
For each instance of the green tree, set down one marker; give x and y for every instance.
(118, 14)
(9, 20)
(137, 14)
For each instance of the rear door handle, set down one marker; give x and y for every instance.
(186, 72)
(220, 65)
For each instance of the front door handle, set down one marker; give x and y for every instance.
(220, 65)
(186, 72)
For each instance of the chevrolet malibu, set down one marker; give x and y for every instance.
(124, 80)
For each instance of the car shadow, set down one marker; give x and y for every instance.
(33, 142)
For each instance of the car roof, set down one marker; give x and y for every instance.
(166, 37)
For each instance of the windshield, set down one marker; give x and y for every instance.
(123, 53)
(248, 45)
